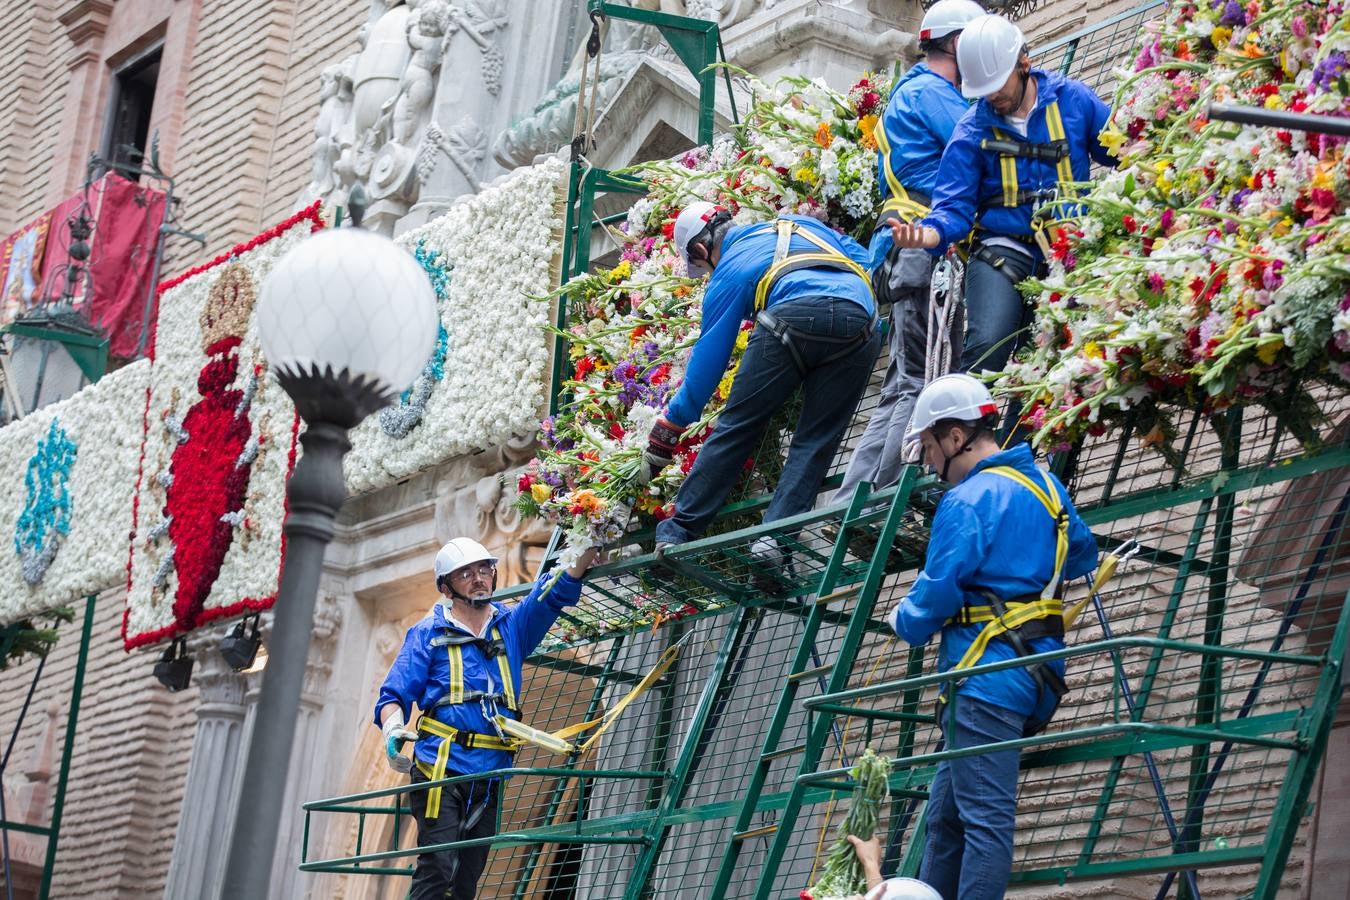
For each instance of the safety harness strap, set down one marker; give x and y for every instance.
(1009, 151)
(785, 261)
(455, 693)
(1014, 615)
(451, 735)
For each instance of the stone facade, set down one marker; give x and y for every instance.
(256, 105)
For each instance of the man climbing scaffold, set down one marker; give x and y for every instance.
(1004, 541)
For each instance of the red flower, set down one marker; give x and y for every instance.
(524, 482)
(668, 229)
(585, 366)
(616, 431)
(1130, 224)
(660, 374)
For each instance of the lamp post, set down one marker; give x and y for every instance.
(347, 320)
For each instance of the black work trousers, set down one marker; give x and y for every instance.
(468, 810)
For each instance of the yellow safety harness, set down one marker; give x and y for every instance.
(1010, 150)
(786, 260)
(455, 695)
(1023, 619)
(512, 734)
(906, 208)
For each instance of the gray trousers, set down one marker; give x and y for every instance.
(879, 455)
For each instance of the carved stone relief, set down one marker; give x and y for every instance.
(378, 107)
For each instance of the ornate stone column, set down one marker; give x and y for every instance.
(211, 792)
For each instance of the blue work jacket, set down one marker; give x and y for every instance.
(918, 121)
(421, 673)
(747, 253)
(991, 533)
(969, 176)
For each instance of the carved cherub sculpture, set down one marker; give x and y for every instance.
(428, 26)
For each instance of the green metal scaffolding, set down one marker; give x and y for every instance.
(1203, 681)
(52, 830)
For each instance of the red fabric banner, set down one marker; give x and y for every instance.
(121, 260)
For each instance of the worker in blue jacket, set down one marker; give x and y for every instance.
(809, 292)
(1031, 137)
(922, 111)
(461, 667)
(1004, 541)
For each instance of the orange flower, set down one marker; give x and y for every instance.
(868, 125)
(823, 136)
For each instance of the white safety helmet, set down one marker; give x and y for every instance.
(988, 52)
(689, 224)
(955, 396)
(459, 553)
(903, 889)
(947, 16)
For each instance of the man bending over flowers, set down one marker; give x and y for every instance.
(808, 290)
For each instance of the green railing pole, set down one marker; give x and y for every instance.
(76, 691)
(1302, 771)
(1208, 701)
(655, 835)
(839, 675)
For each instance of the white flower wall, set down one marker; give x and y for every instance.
(85, 489)
(189, 455)
(493, 259)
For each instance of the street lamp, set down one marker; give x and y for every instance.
(347, 321)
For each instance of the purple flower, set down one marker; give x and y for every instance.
(1210, 327)
(1233, 14)
(1156, 283)
(1271, 277)
(1328, 71)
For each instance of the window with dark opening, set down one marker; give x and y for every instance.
(133, 98)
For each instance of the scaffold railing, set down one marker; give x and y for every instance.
(1203, 680)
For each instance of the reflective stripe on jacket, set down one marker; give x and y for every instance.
(990, 533)
(421, 672)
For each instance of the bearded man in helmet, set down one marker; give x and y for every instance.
(461, 666)
(808, 290)
(1005, 539)
(1009, 168)
(922, 111)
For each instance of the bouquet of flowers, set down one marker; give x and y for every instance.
(842, 874)
(802, 148)
(1211, 268)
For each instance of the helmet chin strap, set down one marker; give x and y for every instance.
(476, 604)
(947, 458)
(1022, 95)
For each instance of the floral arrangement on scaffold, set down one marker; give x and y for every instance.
(1213, 267)
(802, 148)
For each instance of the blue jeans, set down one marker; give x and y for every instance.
(972, 805)
(996, 315)
(820, 329)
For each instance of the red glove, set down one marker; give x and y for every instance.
(661, 446)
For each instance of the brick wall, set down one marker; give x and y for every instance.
(132, 744)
